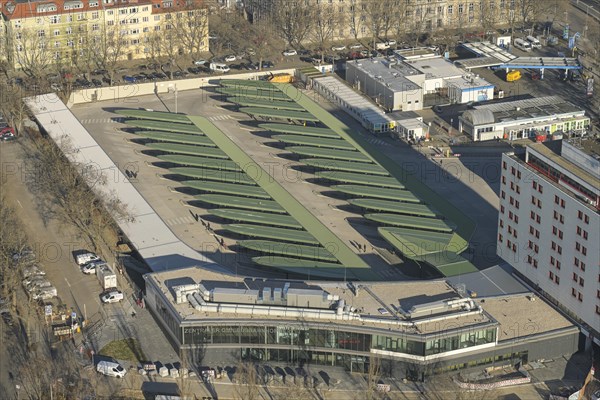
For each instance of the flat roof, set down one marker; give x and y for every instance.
(529, 108)
(288, 249)
(154, 115)
(177, 138)
(370, 298)
(267, 103)
(222, 200)
(228, 188)
(154, 240)
(212, 175)
(380, 193)
(252, 93)
(472, 82)
(494, 281)
(276, 113)
(178, 148)
(334, 154)
(391, 73)
(315, 141)
(163, 126)
(203, 162)
(487, 49)
(274, 233)
(393, 206)
(573, 168)
(435, 67)
(410, 222)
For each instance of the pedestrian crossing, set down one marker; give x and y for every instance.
(116, 120)
(180, 220)
(222, 117)
(375, 141)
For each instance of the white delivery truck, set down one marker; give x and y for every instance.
(110, 368)
(219, 67)
(534, 42)
(522, 44)
(107, 278)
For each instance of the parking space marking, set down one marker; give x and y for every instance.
(88, 121)
(179, 221)
(222, 117)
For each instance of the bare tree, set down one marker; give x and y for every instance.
(355, 17)
(246, 382)
(171, 46)
(375, 14)
(32, 52)
(110, 46)
(191, 28)
(489, 16)
(292, 20)
(325, 21)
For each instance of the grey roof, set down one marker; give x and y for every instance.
(392, 73)
(479, 117)
(153, 239)
(435, 67)
(529, 108)
(494, 281)
(487, 49)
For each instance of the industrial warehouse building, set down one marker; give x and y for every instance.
(416, 330)
(401, 82)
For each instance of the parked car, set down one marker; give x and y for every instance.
(230, 58)
(194, 70)
(250, 51)
(390, 42)
(96, 82)
(26, 255)
(199, 62)
(355, 46)
(267, 64)
(33, 270)
(57, 87)
(251, 66)
(44, 293)
(32, 279)
(159, 75)
(236, 66)
(339, 47)
(129, 79)
(289, 52)
(83, 257)
(140, 77)
(7, 135)
(113, 296)
(99, 72)
(111, 368)
(36, 284)
(90, 268)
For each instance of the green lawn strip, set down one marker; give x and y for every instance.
(314, 269)
(325, 237)
(253, 93)
(214, 175)
(393, 207)
(271, 232)
(234, 189)
(362, 179)
(221, 200)
(333, 154)
(188, 149)
(340, 165)
(379, 193)
(257, 217)
(465, 226)
(125, 349)
(177, 138)
(265, 103)
(314, 141)
(410, 221)
(280, 114)
(300, 130)
(288, 249)
(202, 162)
(155, 115)
(163, 126)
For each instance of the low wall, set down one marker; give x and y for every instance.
(123, 92)
(495, 385)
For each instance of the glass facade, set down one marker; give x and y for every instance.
(313, 338)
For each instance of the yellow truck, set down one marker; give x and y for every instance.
(513, 75)
(281, 78)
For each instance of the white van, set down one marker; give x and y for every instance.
(85, 257)
(110, 368)
(381, 46)
(522, 44)
(218, 67)
(534, 42)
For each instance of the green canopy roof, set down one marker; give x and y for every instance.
(281, 114)
(204, 162)
(164, 126)
(253, 93)
(155, 115)
(300, 130)
(270, 232)
(315, 141)
(369, 180)
(257, 217)
(266, 103)
(188, 149)
(177, 138)
(393, 207)
(241, 202)
(245, 82)
(440, 250)
(235, 189)
(381, 193)
(213, 175)
(287, 262)
(334, 154)
(340, 165)
(288, 249)
(410, 221)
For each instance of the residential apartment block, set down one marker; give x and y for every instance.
(549, 224)
(93, 33)
(386, 18)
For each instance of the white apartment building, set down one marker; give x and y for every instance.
(549, 225)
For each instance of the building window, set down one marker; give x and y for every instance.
(512, 171)
(573, 292)
(581, 281)
(535, 263)
(500, 239)
(503, 162)
(551, 275)
(580, 296)
(540, 189)
(504, 180)
(598, 310)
